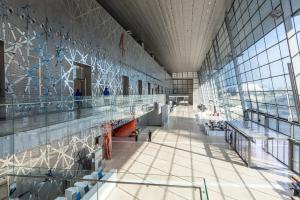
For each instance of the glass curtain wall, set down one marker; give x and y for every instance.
(291, 10)
(206, 87)
(293, 35)
(293, 32)
(218, 77)
(261, 51)
(254, 62)
(263, 57)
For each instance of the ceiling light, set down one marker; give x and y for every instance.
(276, 13)
(129, 32)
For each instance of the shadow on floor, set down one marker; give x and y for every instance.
(209, 154)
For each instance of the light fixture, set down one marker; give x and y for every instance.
(276, 14)
(10, 11)
(129, 32)
(22, 16)
(32, 21)
(57, 34)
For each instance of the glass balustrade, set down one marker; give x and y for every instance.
(51, 133)
(23, 115)
(34, 182)
(240, 142)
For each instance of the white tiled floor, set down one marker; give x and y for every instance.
(180, 154)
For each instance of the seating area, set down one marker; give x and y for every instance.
(211, 123)
(215, 125)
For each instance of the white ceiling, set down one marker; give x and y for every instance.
(177, 32)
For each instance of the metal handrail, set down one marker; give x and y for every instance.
(113, 181)
(72, 99)
(103, 181)
(205, 187)
(70, 170)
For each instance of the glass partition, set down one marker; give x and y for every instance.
(296, 158)
(18, 116)
(40, 183)
(57, 134)
(240, 142)
(281, 150)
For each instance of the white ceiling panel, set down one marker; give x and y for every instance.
(177, 32)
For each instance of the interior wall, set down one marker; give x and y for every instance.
(43, 39)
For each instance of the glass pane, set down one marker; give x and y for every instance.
(284, 127)
(276, 68)
(271, 38)
(274, 53)
(296, 158)
(273, 123)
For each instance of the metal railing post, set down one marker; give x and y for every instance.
(249, 152)
(205, 187)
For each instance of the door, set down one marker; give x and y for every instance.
(82, 82)
(125, 85)
(149, 88)
(140, 87)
